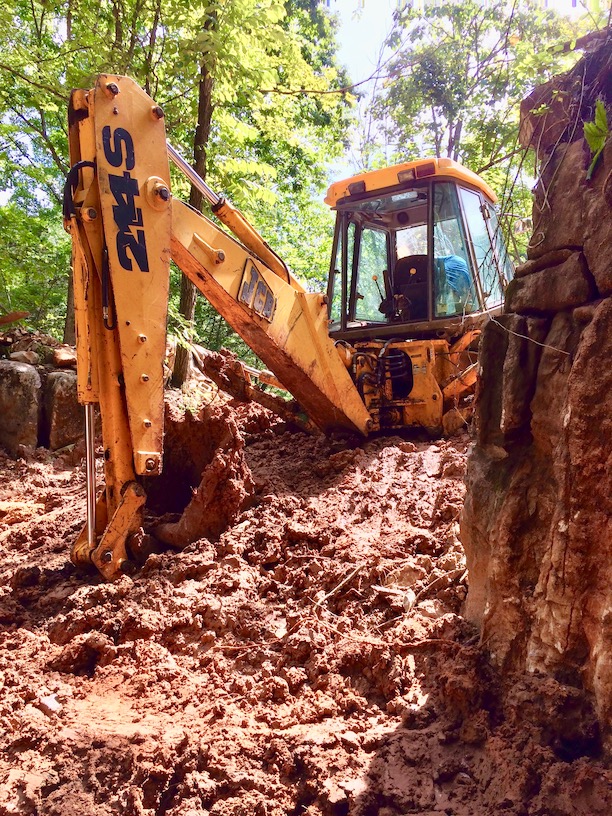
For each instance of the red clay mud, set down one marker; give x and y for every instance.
(310, 659)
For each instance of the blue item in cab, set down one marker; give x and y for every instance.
(457, 275)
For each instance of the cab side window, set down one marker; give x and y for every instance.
(372, 263)
(336, 298)
(503, 255)
(483, 248)
(454, 290)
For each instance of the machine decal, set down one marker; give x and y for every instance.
(255, 292)
(114, 152)
(118, 150)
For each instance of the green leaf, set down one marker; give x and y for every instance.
(596, 134)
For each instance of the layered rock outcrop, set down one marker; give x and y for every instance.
(537, 524)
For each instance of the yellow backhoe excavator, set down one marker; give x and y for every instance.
(418, 263)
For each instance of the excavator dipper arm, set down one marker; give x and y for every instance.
(125, 228)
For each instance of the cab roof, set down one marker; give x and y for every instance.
(403, 174)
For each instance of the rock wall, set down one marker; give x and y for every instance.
(537, 523)
(38, 400)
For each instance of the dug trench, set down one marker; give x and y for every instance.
(305, 655)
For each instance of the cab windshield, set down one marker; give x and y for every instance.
(420, 255)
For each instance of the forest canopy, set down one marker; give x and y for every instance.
(256, 99)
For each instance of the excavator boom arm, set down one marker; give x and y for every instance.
(125, 228)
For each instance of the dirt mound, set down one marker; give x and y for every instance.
(205, 480)
(312, 659)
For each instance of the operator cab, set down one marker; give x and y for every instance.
(417, 248)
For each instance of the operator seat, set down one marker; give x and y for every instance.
(410, 280)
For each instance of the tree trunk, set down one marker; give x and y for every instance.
(456, 140)
(188, 290)
(437, 133)
(69, 328)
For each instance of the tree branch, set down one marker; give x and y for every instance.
(42, 132)
(493, 162)
(48, 187)
(29, 81)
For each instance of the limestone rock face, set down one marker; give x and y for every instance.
(537, 523)
(561, 189)
(552, 289)
(20, 405)
(598, 223)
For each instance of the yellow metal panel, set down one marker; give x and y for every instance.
(388, 177)
(111, 555)
(292, 341)
(425, 401)
(98, 359)
(462, 384)
(132, 166)
(87, 381)
(109, 212)
(85, 244)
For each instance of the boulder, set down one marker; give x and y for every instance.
(30, 357)
(554, 258)
(20, 405)
(64, 357)
(551, 290)
(65, 417)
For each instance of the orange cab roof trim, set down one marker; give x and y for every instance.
(388, 177)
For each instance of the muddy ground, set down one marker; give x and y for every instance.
(311, 660)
